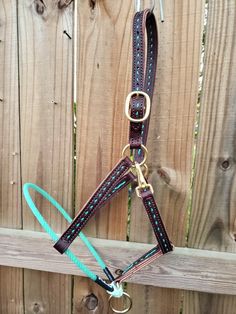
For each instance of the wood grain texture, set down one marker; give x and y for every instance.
(170, 140)
(11, 279)
(208, 303)
(212, 224)
(104, 71)
(193, 269)
(10, 192)
(45, 62)
(104, 45)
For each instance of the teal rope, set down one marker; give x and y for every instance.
(54, 236)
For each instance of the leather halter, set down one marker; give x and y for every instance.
(126, 171)
(143, 78)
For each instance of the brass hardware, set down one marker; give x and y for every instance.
(121, 311)
(146, 170)
(145, 151)
(142, 183)
(147, 105)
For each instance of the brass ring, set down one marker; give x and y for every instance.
(121, 311)
(145, 151)
(147, 109)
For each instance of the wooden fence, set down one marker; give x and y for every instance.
(191, 153)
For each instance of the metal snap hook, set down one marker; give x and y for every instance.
(127, 296)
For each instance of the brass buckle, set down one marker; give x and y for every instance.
(147, 106)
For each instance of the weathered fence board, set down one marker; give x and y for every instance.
(45, 63)
(171, 137)
(201, 270)
(11, 279)
(36, 144)
(104, 70)
(212, 224)
(103, 82)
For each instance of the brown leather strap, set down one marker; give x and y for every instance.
(144, 71)
(116, 180)
(143, 75)
(141, 262)
(156, 221)
(164, 245)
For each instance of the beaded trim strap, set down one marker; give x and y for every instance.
(115, 181)
(164, 245)
(141, 262)
(143, 78)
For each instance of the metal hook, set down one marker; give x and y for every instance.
(161, 11)
(138, 7)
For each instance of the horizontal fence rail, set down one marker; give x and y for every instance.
(185, 268)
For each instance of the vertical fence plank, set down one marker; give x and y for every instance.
(170, 141)
(11, 279)
(212, 224)
(45, 62)
(103, 82)
(104, 73)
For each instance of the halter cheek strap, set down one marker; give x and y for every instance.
(164, 245)
(115, 181)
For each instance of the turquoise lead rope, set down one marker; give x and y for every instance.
(111, 288)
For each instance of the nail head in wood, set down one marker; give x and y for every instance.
(225, 164)
(65, 32)
(118, 272)
(37, 307)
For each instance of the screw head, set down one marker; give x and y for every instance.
(118, 272)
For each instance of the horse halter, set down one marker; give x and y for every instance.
(126, 171)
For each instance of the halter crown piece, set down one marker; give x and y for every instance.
(137, 110)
